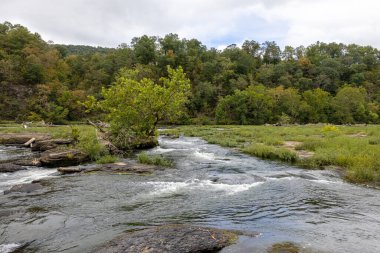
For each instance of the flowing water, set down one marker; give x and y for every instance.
(210, 186)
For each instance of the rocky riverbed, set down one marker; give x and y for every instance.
(279, 208)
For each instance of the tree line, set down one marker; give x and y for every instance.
(255, 83)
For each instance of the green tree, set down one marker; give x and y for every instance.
(350, 106)
(250, 106)
(318, 106)
(287, 101)
(145, 49)
(135, 107)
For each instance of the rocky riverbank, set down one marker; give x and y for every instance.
(50, 152)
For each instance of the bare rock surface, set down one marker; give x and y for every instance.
(21, 138)
(44, 145)
(10, 167)
(28, 162)
(170, 239)
(63, 158)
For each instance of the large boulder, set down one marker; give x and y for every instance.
(63, 158)
(21, 138)
(170, 239)
(10, 167)
(25, 188)
(44, 145)
(28, 162)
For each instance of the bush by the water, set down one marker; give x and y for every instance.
(157, 160)
(107, 159)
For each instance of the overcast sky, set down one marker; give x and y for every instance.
(216, 23)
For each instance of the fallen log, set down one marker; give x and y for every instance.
(30, 142)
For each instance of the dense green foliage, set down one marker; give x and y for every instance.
(157, 160)
(252, 84)
(353, 150)
(135, 105)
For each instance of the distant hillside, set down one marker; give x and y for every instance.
(80, 49)
(256, 83)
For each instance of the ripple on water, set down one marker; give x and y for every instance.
(214, 187)
(163, 188)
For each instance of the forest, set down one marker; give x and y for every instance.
(256, 83)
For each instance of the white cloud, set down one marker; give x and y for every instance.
(214, 22)
(347, 21)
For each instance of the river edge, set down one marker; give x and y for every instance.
(226, 251)
(348, 150)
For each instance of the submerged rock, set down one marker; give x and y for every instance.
(171, 239)
(63, 158)
(26, 188)
(131, 167)
(284, 247)
(10, 167)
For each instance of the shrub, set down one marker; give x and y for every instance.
(89, 143)
(157, 160)
(107, 159)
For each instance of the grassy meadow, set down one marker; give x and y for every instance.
(355, 150)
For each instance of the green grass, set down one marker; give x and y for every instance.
(157, 160)
(270, 152)
(355, 149)
(107, 159)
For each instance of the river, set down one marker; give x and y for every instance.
(209, 186)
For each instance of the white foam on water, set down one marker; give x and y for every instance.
(178, 142)
(164, 188)
(6, 248)
(204, 155)
(24, 176)
(281, 178)
(320, 181)
(160, 150)
(323, 181)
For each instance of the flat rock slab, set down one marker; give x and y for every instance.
(118, 168)
(170, 239)
(21, 138)
(63, 158)
(10, 167)
(69, 170)
(44, 145)
(26, 188)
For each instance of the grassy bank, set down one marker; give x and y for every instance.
(355, 149)
(85, 136)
